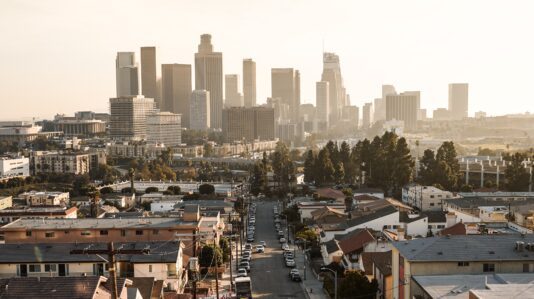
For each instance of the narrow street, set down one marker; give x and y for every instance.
(268, 272)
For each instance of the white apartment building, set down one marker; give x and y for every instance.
(164, 128)
(200, 110)
(425, 198)
(45, 198)
(65, 162)
(14, 167)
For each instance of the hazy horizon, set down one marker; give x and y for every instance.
(59, 56)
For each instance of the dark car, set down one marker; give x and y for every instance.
(296, 277)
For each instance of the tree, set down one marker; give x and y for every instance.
(127, 190)
(355, 282)
(106, 190)
(105, 173)
(225, 248)
(210, 255)
(427, 166)
(516, 175)
(175, 190)
(206, 189)
(308, 235)
(208, 150)
(402, 168)
(324, 168)
(447, 154)
(259, 179)
(283, 168)
(309, 167)
(151, 190)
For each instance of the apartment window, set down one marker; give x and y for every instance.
(441, 226)
(430, 227)
(432, 204)
(463, 264)
(150, 268)
(104, 232)
(34, 268)
(431, 196)
(86, 233)
(28, 233)
(526, 268)
(50, 268)
(155, 232)
(50, 234)
(138, 232)
(123, 233)
(489, 268)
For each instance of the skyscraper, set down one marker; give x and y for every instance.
(322, 95)
(164, 128)
(249, 82)
(148, 73)
(403, 106)
(128, 115)
(248, 123)
(209, 76)
(127, 79)
(285, 84)
(200, 110)
(458, 100)
(332, 74)
(176, 90)
(232, 97)
(380, 103)
(367, 115)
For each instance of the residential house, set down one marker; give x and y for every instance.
(307, 207)
(163, 262)
(381, 271)
(459, 254)
(6, 202)
(425, 198)
(327, 215)
(329, 194)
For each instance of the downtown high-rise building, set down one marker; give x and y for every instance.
(249, 124)
(458, 100)
(332, 75)
(380, 103)
(249, 82)
(322, 102)
(148, 73)
(176, 88)
(367, 115)
(232, 97)
(126, 72)
(285, 84)
(127, 119)
(200, 110)
(209, 76)
(164, 128)
(351, 116)
(404, 107)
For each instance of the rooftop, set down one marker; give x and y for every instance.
(475, 202)
(92, 223)
(466, 248)
(382, 212)
(51, 287)
(162, 252)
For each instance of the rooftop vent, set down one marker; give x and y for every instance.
(519, 245)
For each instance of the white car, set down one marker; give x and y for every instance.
(263, 243)
(285, 246)
(260, 249)
(242, 273)
(282, 240)
(290, 263)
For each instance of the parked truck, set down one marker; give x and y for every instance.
(243, 288)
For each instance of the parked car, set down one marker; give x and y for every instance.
(285, 246)
(296, 277)
(248, 246)
(260, 249)
(293, 271)
(242, 272)
(245, 265)
(289, 255)
(263, 243)
(282, 240)
(290, 263)
(250, 239)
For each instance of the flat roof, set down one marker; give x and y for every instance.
(466, 248)
(163, 252)
(458, 286)
(96, 223)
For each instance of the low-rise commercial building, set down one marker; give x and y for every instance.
(425, 198)
(11, 214)
(45, 198)
(65, 162)
(14, 167)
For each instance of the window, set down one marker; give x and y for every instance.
(441, 226)
(86, 233)
(50, 234)
(28, 233)
(150, 268)
(431, 196)
(50, 268)
(430, 226)
(489, 268)
(34, 268)
(432, 204)
(155, 232)
(66, 232)
(138, 232)
(526, 268)
(104, 232)
(123, 233)
(463, 264)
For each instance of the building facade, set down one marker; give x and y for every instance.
(148, 73)
(127, 80)
(209, 76)
(165, 128)
(285, 84)
(249, 82)
(367, 113)
(232, 96)
(128, 117)
(200, 110)
(458, 100)
(322, 101)
(403, 106)
(176, 90)
(65, 162)
(14, 167)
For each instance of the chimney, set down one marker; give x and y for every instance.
(451, 219)
(400, 234)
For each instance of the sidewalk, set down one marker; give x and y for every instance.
(313, 288)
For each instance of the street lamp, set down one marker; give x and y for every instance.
(323, 269)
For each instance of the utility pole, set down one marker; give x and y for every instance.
(111, 253)
(216, 265)
(195, 255)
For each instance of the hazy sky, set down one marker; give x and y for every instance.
(59, 56)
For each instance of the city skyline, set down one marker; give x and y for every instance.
(72, 71)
